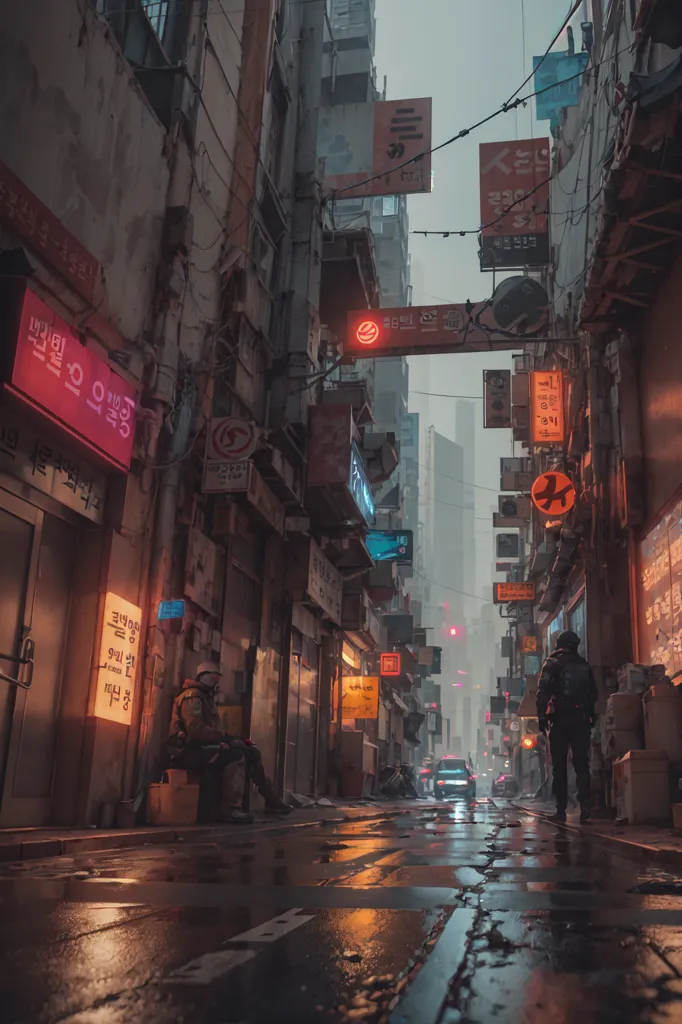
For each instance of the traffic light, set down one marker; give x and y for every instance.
(529, 742)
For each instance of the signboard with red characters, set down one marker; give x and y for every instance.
(411, 330)
(46, 235)
(514, 196)
(55, 371)
(390, 663)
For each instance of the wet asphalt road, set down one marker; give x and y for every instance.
(421, 913)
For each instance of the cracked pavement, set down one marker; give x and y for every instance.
(403, 913)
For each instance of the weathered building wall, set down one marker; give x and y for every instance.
(76, 128)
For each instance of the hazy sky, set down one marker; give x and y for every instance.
(469, 56)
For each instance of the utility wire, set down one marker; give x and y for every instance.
(463, 593)
(437, 394)
(545, 55)
(480, 487)
(504, 109)
(491, 223)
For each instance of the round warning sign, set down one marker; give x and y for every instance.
(553, 493)
(231, 438)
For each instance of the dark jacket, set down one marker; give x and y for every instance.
(195, 717)
(567, 682)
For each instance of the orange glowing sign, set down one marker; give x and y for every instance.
(547, 407)
(529, 645)
(553, 493)
(390, 664)
(518, 593)
(360, 697)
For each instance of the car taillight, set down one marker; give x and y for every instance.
(440, 782)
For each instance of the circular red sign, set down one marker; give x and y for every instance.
(232, 438)
(367, 332)
(553, 493)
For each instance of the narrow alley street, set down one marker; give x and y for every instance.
(404, 913)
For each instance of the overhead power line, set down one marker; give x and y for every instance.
(463, 593)
(504, 109)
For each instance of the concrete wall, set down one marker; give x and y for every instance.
(77, 130)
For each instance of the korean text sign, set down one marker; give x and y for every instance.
(46, 235)
(406, 330)
(514, 181)
(360, 697)
(358, 141)
(506, 593)
(118, 658)
(53, 369)
(547, 407)
(659, 594)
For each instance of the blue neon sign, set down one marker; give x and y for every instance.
(360, 487)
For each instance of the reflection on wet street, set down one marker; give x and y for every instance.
(417, 912)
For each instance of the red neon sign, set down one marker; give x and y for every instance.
(390, 664)
(422, 329)
(367, 332)
(54, 370)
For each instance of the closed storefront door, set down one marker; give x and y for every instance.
(302, 719)
(36, 567)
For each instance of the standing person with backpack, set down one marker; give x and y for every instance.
(567, 696)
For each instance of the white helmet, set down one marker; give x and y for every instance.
(206, 668)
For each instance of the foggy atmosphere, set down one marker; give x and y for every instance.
(340, 511)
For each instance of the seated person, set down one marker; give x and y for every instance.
(199, 744)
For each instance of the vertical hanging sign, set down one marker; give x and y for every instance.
(514, 179)
(119, 649)
(547, 407)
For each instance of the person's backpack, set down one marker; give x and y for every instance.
(572, 685)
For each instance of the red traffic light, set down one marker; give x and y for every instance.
(453, 630)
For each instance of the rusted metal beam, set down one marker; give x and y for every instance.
(630, 299)
(657, 209)
(656, 172)
(638, 250)
(642, 265)
(673, 232)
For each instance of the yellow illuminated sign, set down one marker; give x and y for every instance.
(547, 407)
(118, 660)
(360, 697)
(506, 593)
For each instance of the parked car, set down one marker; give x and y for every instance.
(454, 777)
(505, 785)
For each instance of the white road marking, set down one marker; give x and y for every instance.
(208, 968)
(211, 966)
(272, 930)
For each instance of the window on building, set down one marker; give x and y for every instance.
(389, 206)
(157, 12)
(279, 106)
(153, 37)
(576, 622)
(263, 256)
(555, 627)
